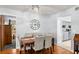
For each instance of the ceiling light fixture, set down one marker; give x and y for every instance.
(35, 8)
(35, 23)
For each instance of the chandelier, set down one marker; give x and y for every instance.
(35, 23)
(35, 8)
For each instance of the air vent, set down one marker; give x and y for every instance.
(77, 8)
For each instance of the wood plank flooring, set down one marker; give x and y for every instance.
(57, 50)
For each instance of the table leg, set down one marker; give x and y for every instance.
(77, 48)
(74, 47)
(44, 46)
(51, 49)
(53, 44)
(24, 48)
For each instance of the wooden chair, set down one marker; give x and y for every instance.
(76, 43)
(53, 43)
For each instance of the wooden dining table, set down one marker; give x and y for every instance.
(28, 42)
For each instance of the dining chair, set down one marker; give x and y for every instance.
(48, 43)
(22, 47)
(20, 44)
(38, 45)
(76, 43)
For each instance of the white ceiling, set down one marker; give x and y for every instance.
(43, 9)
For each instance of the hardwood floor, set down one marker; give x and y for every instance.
(57, 50)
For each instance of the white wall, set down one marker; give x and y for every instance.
(46, 24)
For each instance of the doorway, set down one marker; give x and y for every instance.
(64, 32)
